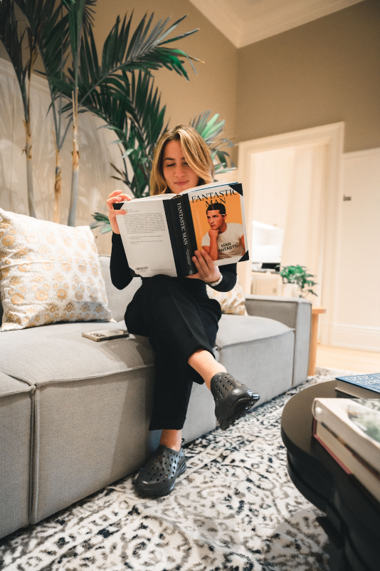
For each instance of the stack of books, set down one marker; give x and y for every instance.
(349, 429)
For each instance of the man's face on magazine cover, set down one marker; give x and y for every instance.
(215, 219)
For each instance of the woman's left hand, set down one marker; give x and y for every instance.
(207, 271)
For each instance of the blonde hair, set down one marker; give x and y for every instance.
(195, 152)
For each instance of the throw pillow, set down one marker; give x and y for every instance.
(48, 273)
(230, 301)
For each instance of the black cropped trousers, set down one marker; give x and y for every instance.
(178, 323)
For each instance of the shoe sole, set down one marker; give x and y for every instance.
(163, 489)
(231, 412)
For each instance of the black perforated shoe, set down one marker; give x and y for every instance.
(232, 399)
(158, 476)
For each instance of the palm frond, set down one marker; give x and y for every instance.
(50, 30)
(37, 13)
(101, 221)
(12, 41)
(75, 11)
(88, 14)
(140, 52)
(143, 130)
(146, 101)
(210, 130)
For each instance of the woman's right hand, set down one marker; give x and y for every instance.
(115, 197)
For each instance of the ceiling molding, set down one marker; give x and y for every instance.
(245, 22)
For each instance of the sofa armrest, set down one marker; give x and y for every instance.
(294, 312)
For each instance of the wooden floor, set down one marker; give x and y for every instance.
(348, 359)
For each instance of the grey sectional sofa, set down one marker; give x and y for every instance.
(74, 414)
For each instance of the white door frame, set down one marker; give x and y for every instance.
(333, 137)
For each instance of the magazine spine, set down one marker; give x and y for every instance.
(190, 232)
(178, 237)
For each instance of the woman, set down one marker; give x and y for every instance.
(179, 318)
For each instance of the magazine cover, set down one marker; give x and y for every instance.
(219, 223)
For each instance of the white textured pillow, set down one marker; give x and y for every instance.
(48, 273)
(230, 301)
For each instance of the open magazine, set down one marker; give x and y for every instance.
(161, 233)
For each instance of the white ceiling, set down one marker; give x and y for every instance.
(244, 22)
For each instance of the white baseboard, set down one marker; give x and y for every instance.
(355, 337)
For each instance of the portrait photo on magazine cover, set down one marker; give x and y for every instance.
(219, 225)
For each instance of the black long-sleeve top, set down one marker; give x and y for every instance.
(122, 274)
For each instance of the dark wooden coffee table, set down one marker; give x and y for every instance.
(352, 520)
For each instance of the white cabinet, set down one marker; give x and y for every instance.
(265, 283)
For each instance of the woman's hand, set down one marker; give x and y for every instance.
(207, 271)
(114, 198)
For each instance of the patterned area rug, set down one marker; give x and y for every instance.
(234, 509)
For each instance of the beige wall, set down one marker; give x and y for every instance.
(319, 73)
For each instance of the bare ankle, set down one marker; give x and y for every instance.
(205, 364)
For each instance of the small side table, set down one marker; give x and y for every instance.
(315, 313)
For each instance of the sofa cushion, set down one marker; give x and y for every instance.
(59, 353)
(15, 430)
(238, 329)
(48, 273)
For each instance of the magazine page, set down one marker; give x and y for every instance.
(219, 222)
(145, 235)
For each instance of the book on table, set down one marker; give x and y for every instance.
(161, 233)
(360, 386)
(349, 430)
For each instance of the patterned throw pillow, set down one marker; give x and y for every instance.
(48, 273)
(230, 301)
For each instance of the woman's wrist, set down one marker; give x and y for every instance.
(216, 282)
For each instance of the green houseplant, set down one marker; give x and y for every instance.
(298, 275)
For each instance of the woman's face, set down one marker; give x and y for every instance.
(177, 173)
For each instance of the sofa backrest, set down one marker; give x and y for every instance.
(117, 299)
